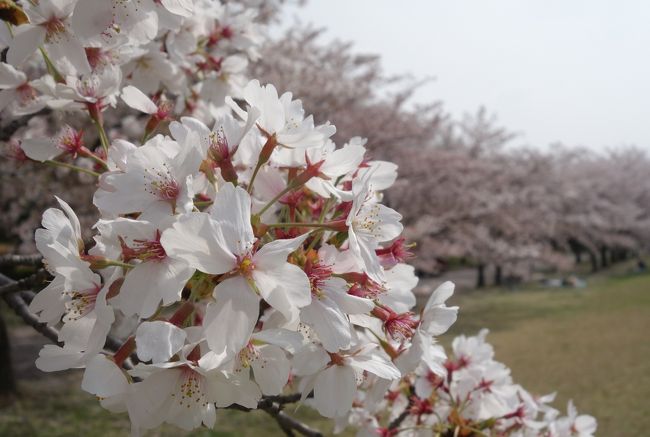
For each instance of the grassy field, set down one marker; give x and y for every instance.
(591, 345)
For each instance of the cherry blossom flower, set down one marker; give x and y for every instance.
(333, 377)
(157, 179)
(50, 25)
(155, 277)
(226, 241)
(370, 223)
(18, 94)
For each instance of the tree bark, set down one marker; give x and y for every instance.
(7, 380)
(594, 261)
(603, 257)
(498, 276)
(480, 278)
(578, 255)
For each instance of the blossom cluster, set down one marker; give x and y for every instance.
(234, 262)
(196, 51)
(469, 393)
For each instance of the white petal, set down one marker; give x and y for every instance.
(184, 8)
(151, 282)
(375, 363)
(335, 290)
(309, 360)
(241, 392)
(68, 48)
(50, 302)
(158, 341)
(440, 295)
(285, 288)
(10, 77)
(6, 97)
(197, 239)
(150, 396)
(331, 325)
(92, 17)
(286, 339)
(25, 42)
(229, 321)
(53, 358)
(136, 99)
(343, 161)
(271, 370)
(437, 320)
(334, 391)
(40, 149)
(275, 253)
(232, 209)
(423, 388)
(103, 378)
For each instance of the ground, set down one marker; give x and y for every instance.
(590, 345)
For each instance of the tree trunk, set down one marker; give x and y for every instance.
(603, 257)
(498, 276)
(7, 381)
(594, 261)
(480, 278)
(578, 255)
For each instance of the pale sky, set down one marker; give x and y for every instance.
(552, 70)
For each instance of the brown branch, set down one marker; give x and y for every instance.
(273, 406)
(396, 422)
(20, 260)
(17, 303)
(24, 284)
(287, 423)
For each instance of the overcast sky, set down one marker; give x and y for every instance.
(552, 70)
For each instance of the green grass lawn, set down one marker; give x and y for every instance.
(591, 345)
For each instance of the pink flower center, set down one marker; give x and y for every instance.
(191, 391)
(70, 141)
(246, 266)
(363, 286)
(54, 28)
(163, 185)
(219, 148)
(81, 303)
(394, 254)
(317, 273)
(248, 355)
(145, 250)
(97, 57)
(401, 326)
(26, 93)
(165, 108)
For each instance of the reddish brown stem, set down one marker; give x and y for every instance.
(124, 351)
(181, 314)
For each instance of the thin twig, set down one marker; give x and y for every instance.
(18, 305)
(287, 423)
(25, 283)
(19, 301)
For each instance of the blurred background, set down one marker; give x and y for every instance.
(520, 130)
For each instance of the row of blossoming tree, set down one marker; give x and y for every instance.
(250, 264)
(466, 190)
